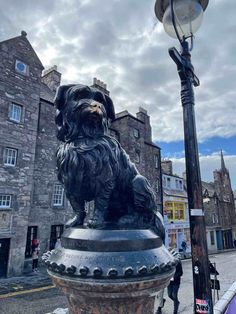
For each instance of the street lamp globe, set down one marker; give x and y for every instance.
(181, 18)
(188, 18)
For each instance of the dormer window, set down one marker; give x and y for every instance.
(21, 67)
(136, 133)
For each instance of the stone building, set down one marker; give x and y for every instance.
(175, 206)
(32, 202)
(220, 215)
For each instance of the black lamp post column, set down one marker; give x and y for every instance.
(201, 275)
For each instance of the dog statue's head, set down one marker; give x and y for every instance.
(82, 111)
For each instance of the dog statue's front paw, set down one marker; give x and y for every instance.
(96, 222)
(77, 220)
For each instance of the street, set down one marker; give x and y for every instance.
(45, 299)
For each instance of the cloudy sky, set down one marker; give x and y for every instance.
(121, 43)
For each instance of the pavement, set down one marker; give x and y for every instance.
(29, 281)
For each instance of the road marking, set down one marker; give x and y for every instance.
(12, 294)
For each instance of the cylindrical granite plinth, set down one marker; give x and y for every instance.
(110, 271)
(106, 297)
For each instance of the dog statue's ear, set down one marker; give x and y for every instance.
(110, 108)
(59, 100)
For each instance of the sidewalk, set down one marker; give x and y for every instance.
(25, 282)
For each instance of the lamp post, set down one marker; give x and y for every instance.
(181, 19)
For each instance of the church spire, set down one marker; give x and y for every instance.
(222, 161)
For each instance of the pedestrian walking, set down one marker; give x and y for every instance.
(162, 301)
(184, 247)
(174, 285)
(35, 257)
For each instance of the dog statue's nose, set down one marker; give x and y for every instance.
(96, 105)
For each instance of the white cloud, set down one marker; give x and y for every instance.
(121, 43)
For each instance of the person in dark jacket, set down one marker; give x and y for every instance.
(174, 285)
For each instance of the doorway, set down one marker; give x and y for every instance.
(4, 255)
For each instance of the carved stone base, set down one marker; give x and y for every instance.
(106, 297)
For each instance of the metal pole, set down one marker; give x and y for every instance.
(200, 264)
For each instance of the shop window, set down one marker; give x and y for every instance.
(56, 232)
(31, 235)
(10, 156)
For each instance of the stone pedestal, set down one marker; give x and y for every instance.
(106, 297)
(110, 271)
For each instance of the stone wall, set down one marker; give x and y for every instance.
(17, 181)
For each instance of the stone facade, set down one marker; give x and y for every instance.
(134, 134)
(32, 203)
(219, 208)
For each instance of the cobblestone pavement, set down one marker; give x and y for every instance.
(41, 298)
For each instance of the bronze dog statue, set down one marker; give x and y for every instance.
(93, 166)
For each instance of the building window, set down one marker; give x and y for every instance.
(164, 181)
(21, 67)
(168, 182)
(15, 113)
(31, 235)
(214, 218)
(137, 157)
(58, 195)
(212, 236)
(9, 156)
(180, 185)
(5, 201)
(177, 184)
(156, 159)
(56, 232)
(136, 133)
(175, 210)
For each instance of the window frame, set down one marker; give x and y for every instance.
(6, 201)
(174, 212)
(11, 109)
(7, 157)
(57, 196)
(136, 133)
